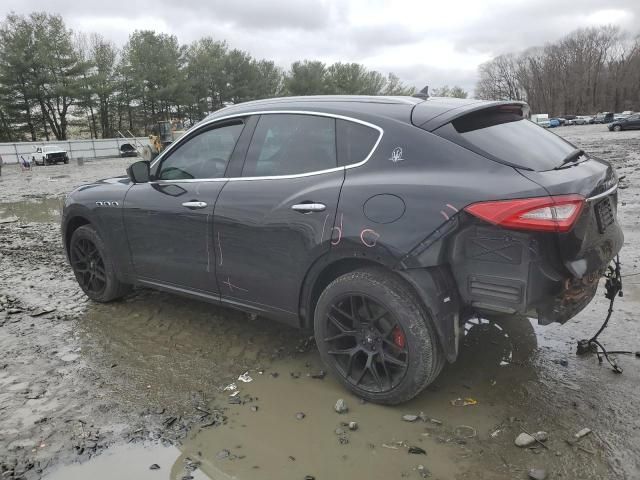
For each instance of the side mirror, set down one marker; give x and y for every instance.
(138, 172)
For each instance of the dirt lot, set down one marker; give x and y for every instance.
(141, 382)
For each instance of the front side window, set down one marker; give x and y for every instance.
(289, 144)
(203, 156)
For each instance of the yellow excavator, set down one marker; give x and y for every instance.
(163, 134)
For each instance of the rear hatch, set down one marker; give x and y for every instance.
(503, 134)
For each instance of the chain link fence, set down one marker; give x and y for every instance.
(101, 148)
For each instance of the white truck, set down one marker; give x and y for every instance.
(541, 119)
(49, 155)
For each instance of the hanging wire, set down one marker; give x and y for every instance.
(613, 287)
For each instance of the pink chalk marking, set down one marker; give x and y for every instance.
(324, 225)
(452, 207)
(373, 241)
(444, 215)
(339, 229)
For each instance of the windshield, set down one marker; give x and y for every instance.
(509, 138)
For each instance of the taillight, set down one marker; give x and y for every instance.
(544, 214)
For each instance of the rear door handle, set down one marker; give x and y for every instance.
(194, 204)
(309, 207)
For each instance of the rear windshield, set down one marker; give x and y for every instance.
(508, 137)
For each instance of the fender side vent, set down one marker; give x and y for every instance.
(506, 290)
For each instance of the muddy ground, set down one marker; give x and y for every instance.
(107, 391)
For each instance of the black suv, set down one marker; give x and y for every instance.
(383, 223)
(632, 122)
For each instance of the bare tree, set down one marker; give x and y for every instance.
(589, 70)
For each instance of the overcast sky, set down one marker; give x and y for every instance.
(424, 42)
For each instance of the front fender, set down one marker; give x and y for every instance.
(105, 213)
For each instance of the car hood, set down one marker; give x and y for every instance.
(122, 182)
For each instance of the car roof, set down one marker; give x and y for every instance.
(434, 111)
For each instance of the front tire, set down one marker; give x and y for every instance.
(92, 266)
(376, 338)
(617, 128)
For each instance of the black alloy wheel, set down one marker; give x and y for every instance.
(88, 265)
(376, 337)
(367, 343)
(92, 266)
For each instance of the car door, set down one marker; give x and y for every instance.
(634, 121)
(274, 220)
(168, 220)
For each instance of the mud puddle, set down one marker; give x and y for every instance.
(35, 210)
(165, 351)
(129, 462)
(522, 378)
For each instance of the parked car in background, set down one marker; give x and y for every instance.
(325, 213)
(541, 119)
(554, 122)
(604, 117)
(632, 122)
(580, 120)
(128, 150)
(49, 155)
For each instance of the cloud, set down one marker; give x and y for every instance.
(423, 42)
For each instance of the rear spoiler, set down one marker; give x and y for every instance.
(433, 113)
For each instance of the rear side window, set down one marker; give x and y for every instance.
(355, 142)
(505, 136)
(289, 144)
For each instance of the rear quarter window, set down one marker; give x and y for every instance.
(355, 142)
(506, 136)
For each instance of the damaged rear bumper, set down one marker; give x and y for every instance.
(510, 272)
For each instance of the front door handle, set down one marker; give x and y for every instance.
(194, 204)
(309, 207)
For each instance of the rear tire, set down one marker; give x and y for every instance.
(383, 346)
(93, 267)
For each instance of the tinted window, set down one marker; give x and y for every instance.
(286, 144)
(355, 142)
(204, 156)
(508, 137)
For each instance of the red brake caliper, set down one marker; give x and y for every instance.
(399, 339)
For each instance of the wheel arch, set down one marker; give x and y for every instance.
(71, 225)
(433, 287)
(322, 273)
